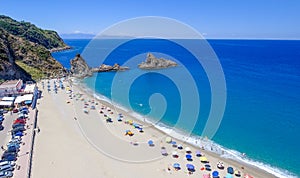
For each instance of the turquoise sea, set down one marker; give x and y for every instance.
(262, 113)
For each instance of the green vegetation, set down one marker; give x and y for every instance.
(25, 51)
(36, 74)
(48, 38)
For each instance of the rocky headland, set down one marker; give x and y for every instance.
(156, 63)
(80, 69)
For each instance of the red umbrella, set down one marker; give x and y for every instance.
(248, 176)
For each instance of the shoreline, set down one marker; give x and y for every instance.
(248, 163)
(76, 141)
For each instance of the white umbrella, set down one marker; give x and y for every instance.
(187, 149)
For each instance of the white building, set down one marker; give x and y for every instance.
(11, 87)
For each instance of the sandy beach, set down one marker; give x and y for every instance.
(73, 144)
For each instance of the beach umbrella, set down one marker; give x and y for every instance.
(141, 130)
(208, 168)
(215, 174)
(237, 173)
(176, 165)
(198, 153)
(220, 165)
(207, 165)
(228, 176)
(174, 153)
(190, 167)
(164, 152)
(119, 119)
(206, 175)
(230, 170)
(174, 144)
(203, 159)
(188, 149)
(248, 176)
(168, 139)
(188, 157)
(150, 143)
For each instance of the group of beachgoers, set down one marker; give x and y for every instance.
(57, 84)
(177, 150)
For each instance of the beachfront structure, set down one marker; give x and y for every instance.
(30, 88)
(11, 87)
(27, 99)
(7, 101)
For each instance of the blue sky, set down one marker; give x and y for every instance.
(213, 18)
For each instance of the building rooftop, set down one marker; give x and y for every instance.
(9, 83)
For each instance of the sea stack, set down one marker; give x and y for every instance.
(154, 63)
(79, 68)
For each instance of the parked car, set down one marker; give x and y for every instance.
(5, 174)
(1, 118)
(21, 121)
(16, 144)
(18, 125)
(3, 111)
(3, 162)
(9, 157)
(18, 129)
(6, 168)
(1, 127)
(12, 148)
(16, 138)
(16, 110)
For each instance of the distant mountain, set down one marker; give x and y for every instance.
(77, 36)
(25, 51)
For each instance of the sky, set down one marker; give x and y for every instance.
(213, 18)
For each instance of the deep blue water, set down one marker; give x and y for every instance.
(262, 115)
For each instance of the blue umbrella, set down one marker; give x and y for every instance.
(198, 153)
(228, 176)
(188, 156)
(176, 165)
(230, 170)
(150, 143)
(215, 174)
(190, 167)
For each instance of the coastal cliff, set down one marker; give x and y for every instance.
(25, 51)
(154, 63)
